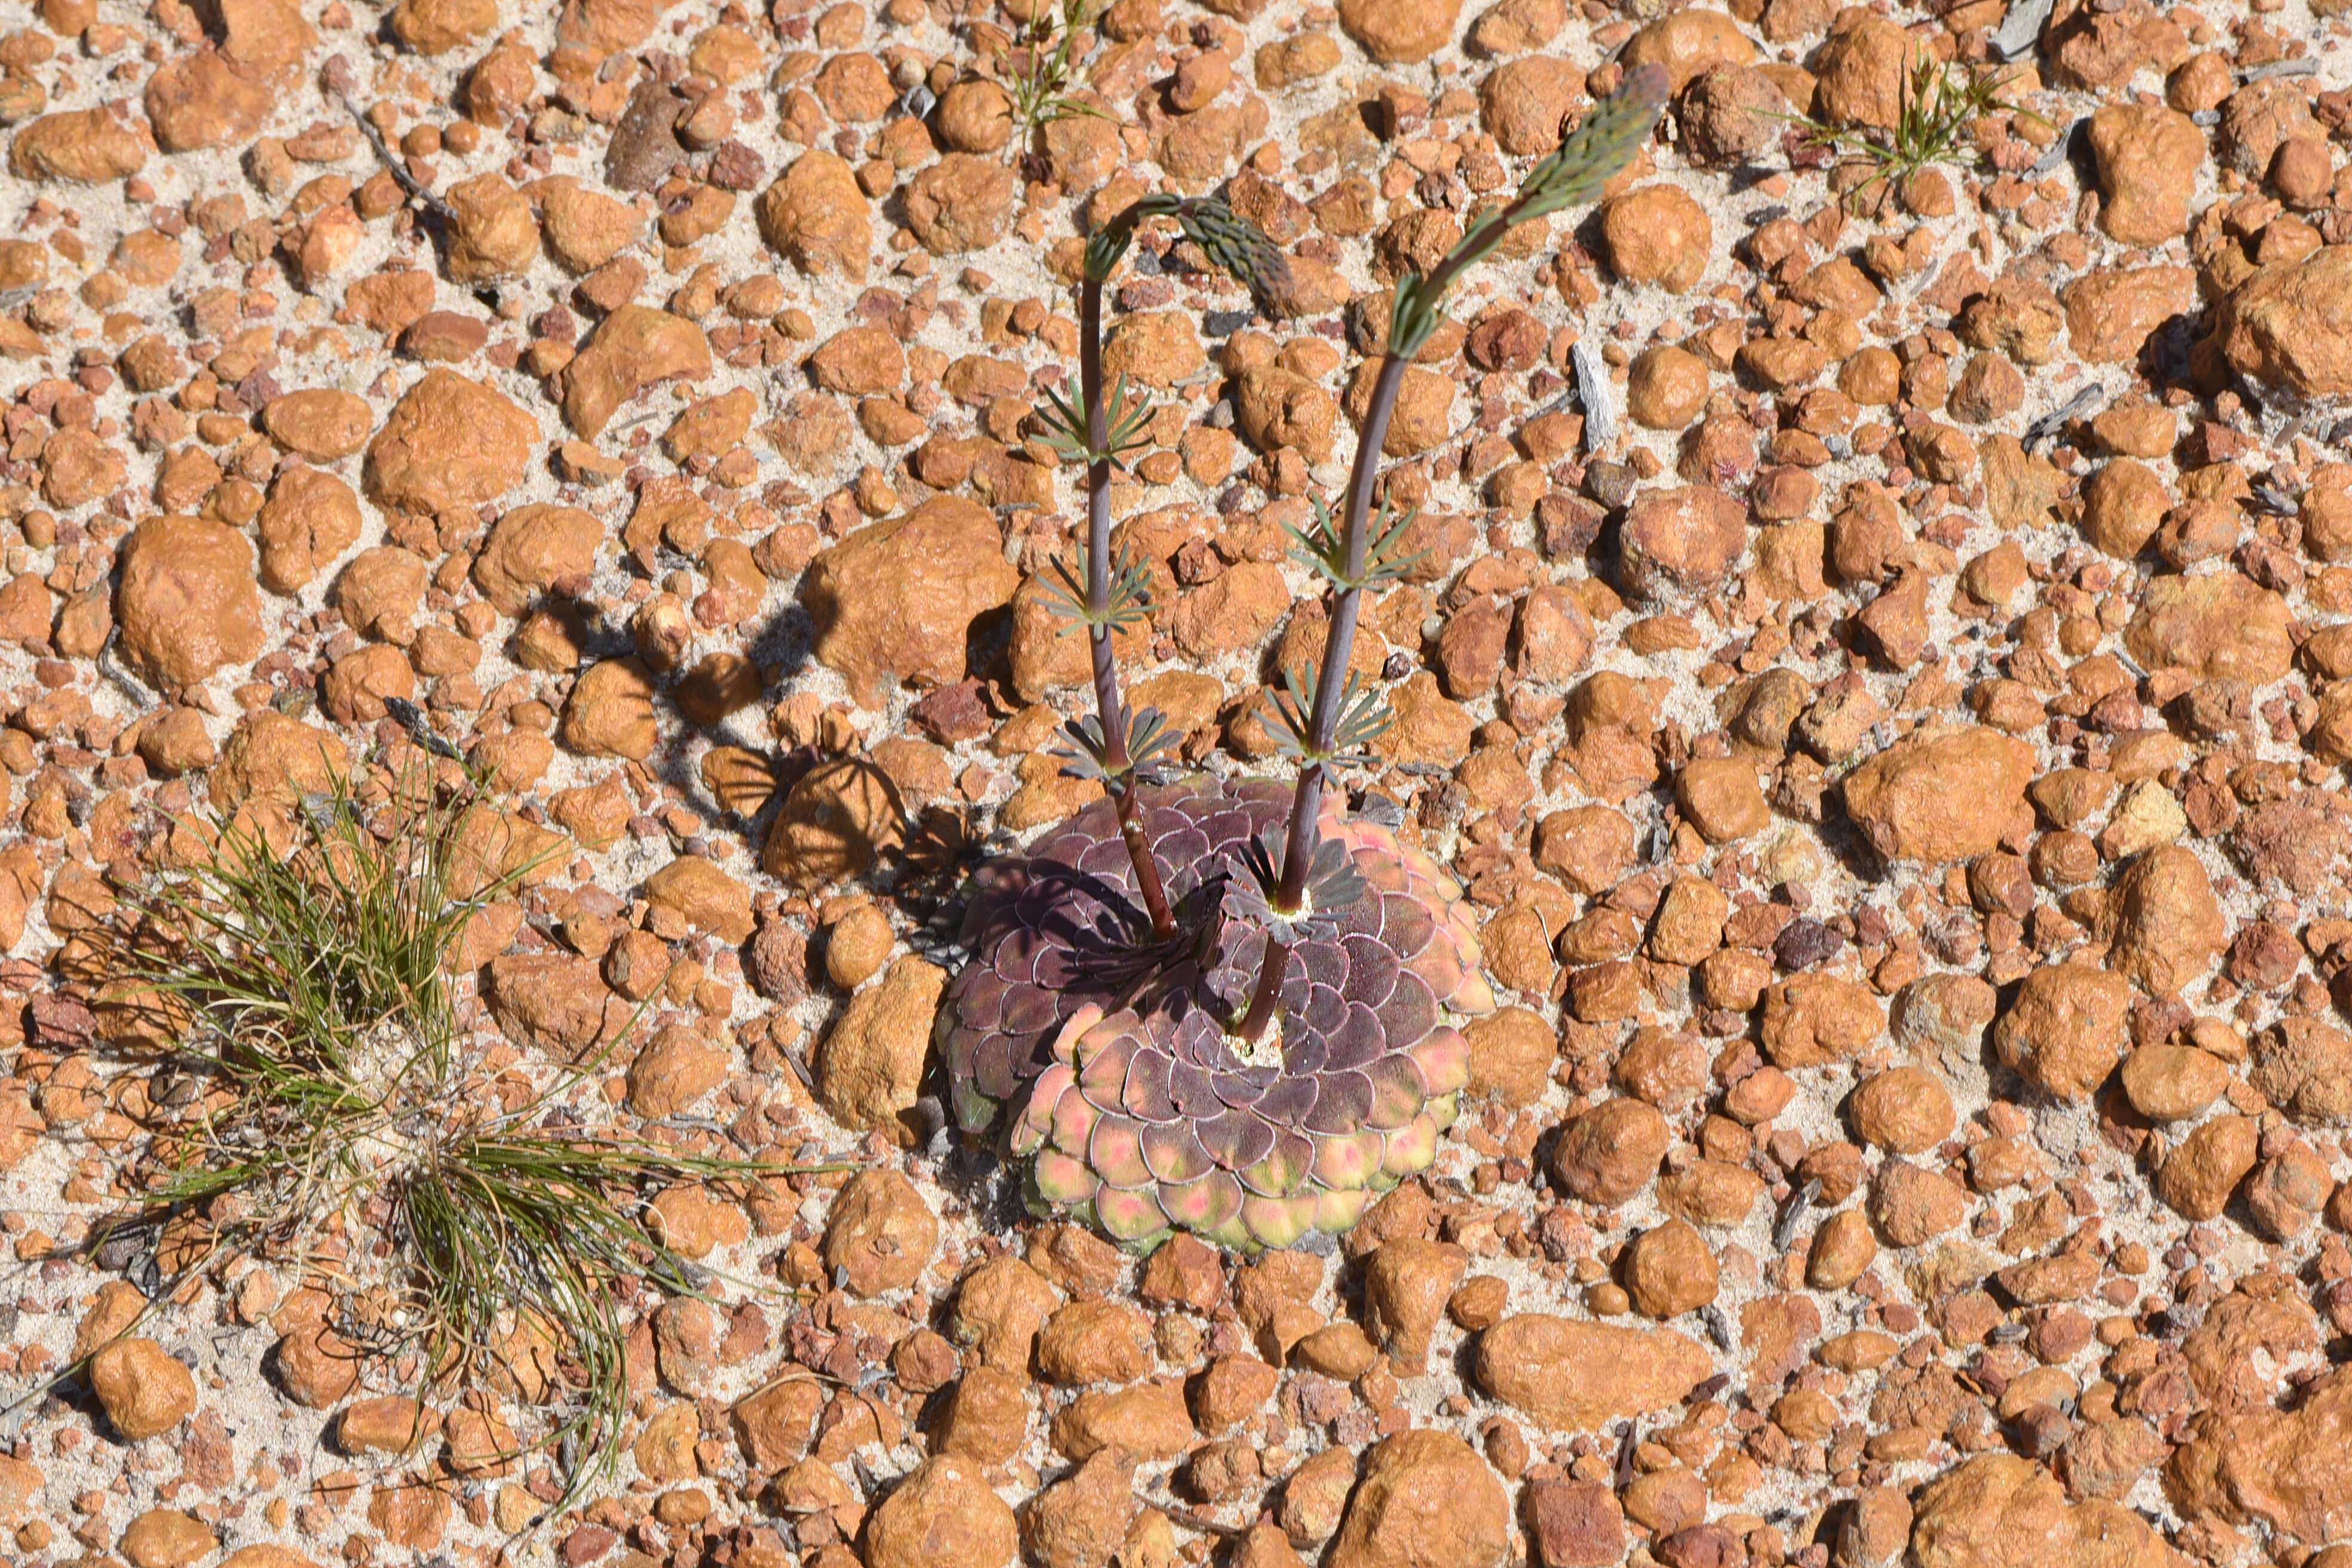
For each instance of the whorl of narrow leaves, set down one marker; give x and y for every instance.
(1571, 177)
(1089, 754)
(1363, 715)
(1252, 898)
(1325, 550)
(1130, 592)
(1125, 419)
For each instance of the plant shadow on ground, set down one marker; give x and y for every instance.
(940, 845)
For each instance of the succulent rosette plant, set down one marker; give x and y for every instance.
(1141, 1109)
(1230, 1007)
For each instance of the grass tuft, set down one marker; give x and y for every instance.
(334, 1113)
(1940, 100)
(1036, 67)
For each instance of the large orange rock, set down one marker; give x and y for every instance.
(220, 94)
(1426, 1500)
(186, 600)
(896, 600)
(531, 550)
(2001, 1512)
(1573, 1375)
(634, 348)
(144, 1392)
(449, 443)
(1943, 793)
(1400, 32)
(2290, 324)
(942, 1516)
(2219, 624)
(817, 217)
(83, 146)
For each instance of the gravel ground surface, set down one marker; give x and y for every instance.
(1881, 675)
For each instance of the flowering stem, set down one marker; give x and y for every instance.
(1330, 689)
(1268, 995)
(1301, 838)
(1339, 638)
(1119, 774)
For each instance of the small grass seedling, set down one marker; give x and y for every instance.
(1939, 101)
(1036, 68)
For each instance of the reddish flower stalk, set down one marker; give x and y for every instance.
(1339, 645)
(1119, 747)
(1268, 995)
(1606, 140)
(1118, 771)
